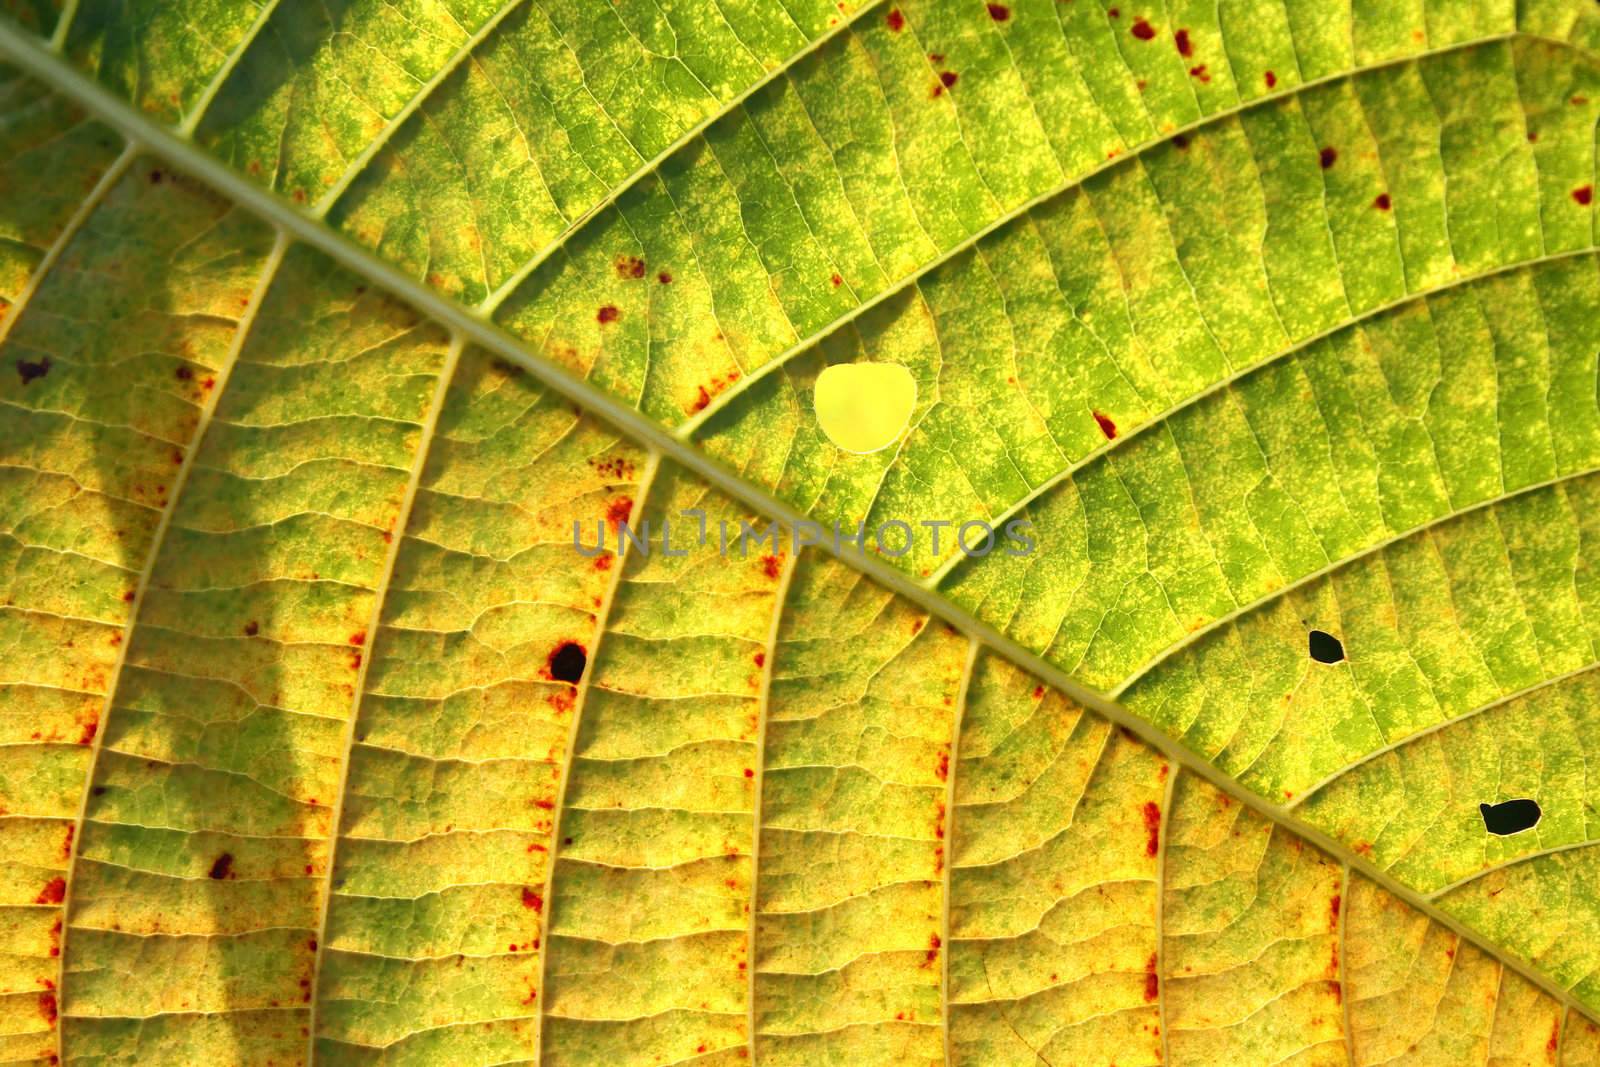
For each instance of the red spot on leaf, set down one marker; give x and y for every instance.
(221, 867)
(1107, 427)
(895, 20)
(358, 638)
(943, 769)
(1584, 195)
(1181, 41)
(533, 900)
(1152, 828)
(1143, 30)
(837, 281)
(1152, 982)
(1382, 202)
(1270, 78)
(630, 267)
(999, 12)
(47, 1008)
(948, 78)
(607, 313)
(1333, 911)
(760, 658)
(664, 278)
(618, 510)
(771, 566)
(1201, 73)
(1327, 157)
(54, 891)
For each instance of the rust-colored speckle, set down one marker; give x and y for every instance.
(629, 267)
(942, 770)
(1143, 30)
(1333, 911)
(618, 510)
(771, 566)
(1152, 828)
(1152, 981)
(895, 20)
(54, 891)
(533, 900)
(1200, 73)
(999, 12)
(607, 313)
(86, 737)
(47, 1008)
(760, 659)
(1584, 195)
(359, 638)
(1382, 202)
(933, 949)
(836, 280)
(1107, 427)
(1327, 157)
(1185, 47)
(127, 598)
(1554, 1042)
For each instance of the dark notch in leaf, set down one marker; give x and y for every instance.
(1510, 817)
(1325, 648)
(567, 662)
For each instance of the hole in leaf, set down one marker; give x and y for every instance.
(1510, 817)
(567, 662)
(1326, 648)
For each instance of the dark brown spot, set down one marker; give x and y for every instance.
(630, 267)
(664, 278)
(1184, 45)
(1201, 73)
(567, 662)
(999, 12)
(1152, 828)
(607, 313)
(1142, 30)
(895, 20)
(1382, 202)
(1328, 157)
(1107, 427)
(1270, 78)
(1180, 142)
(252, 628)
(183, 374)
(1584, 195)
(222, 867)
(156, 176)
(1324, 647)
(948, 78)
(29, 371)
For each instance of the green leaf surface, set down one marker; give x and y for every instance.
(323, 327)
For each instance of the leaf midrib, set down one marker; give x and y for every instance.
(99, 101)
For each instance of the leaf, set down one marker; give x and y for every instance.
(324, 328)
